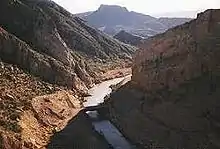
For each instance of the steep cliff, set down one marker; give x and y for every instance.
(172, 100)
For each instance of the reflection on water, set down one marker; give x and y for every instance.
(112, 135)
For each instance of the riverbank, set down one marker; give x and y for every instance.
(103, 126)
(83, 131)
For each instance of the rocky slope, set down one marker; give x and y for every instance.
(23, 124)
(112, 19)
(128, 38)
(48, 60)
(31, 111)
(53, 44)
(172, 100)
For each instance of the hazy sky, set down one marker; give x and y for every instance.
(143, 6)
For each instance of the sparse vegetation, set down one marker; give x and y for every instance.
(17, 89)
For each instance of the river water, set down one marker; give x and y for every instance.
(105, 127)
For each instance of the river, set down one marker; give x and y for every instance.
(105, 127)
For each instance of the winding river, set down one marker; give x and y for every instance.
(105, 127)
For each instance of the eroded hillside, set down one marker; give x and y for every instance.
(68, 51)
(21, 119)
(48, 60)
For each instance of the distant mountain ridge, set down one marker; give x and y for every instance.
(179, 14)
(128, 38)
(112, 19)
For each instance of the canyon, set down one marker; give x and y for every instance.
(65, 84)
(49, 59)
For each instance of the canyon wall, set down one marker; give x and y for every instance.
(172, 100)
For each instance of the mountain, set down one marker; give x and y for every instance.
(53, 44)
(128, 38)
(48, 60)
(112, 18)
(172, 100)
(112, 15)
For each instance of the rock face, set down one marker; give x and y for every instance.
(18, 52)
(112, 19)
(51, 43)
(128, 38)
(172, 100)
(180, 54)
(50, 113)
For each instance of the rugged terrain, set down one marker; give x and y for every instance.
(172, 100)
(22, 122)
(32, 111)
(53, 44)
(112, 19)
(48, 60)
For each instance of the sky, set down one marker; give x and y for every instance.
(150, 7)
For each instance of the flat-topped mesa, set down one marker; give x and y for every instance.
(112, 8)
(180, 54)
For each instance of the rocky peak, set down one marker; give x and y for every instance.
(209, 20)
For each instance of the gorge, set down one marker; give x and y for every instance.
(67, 85)
(49, 59)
